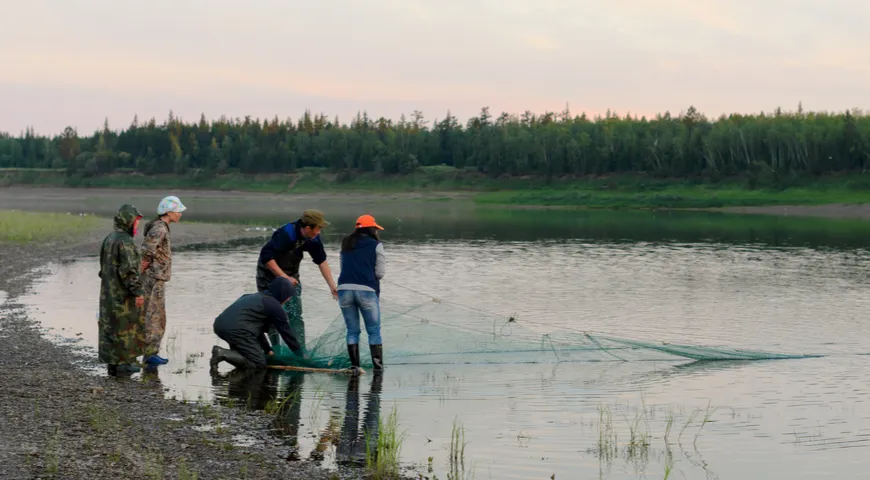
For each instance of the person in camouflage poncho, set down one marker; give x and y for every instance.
(121, 332)
(157, 270)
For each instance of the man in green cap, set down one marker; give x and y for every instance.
(281, 257)
(121, 325)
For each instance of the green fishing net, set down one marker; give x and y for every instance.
(439, 332)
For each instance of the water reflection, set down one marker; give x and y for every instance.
(463, 219)
(355, 442)
(426, 224)
(250, 388)
(281, 393)
(275, 392)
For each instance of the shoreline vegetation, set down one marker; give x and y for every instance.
(551, 159)
(629, 191)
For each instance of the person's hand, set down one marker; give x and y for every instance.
(334, 292)
(293, 280)
(140, 301)
(271, 353)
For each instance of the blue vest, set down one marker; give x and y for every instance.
(358, 265)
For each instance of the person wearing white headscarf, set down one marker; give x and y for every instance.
(157, 270)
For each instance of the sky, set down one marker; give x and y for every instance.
(79, 62)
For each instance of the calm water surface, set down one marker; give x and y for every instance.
(769, 284)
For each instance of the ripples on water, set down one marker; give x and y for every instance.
(767, 419)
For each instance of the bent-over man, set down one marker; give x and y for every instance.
(243, 326)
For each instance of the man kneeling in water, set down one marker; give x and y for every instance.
(243, 325)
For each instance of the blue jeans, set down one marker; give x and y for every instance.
(356, 302)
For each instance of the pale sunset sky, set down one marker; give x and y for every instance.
(78, 62)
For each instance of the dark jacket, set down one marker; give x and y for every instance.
(286, 247)
(256, 312)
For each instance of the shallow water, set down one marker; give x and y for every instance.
(768, 286)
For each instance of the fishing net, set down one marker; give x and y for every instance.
(440, 332)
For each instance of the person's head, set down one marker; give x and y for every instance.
(365, 225)
(282, 290)
(311, 222)
(170, 209)
(127, 219)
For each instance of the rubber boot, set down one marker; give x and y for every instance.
(155, 360)
(236, 359)
(377, 357)
(217, 356)
(353, 353)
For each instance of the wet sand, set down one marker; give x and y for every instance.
(60, 420)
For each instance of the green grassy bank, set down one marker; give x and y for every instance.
(22, 227)
(624, 191)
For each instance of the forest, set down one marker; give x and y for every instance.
(689, 144)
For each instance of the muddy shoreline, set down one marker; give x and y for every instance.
(58, 419)
(218, 205)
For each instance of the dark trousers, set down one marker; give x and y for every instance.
(244, 341)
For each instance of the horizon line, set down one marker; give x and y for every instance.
(594, 115)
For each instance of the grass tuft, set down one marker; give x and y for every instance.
(382, 454)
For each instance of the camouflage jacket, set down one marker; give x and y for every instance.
(157, 250)
(121, 335)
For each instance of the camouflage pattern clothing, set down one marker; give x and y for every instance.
(155, 313)
(157, 252)
(121, 332)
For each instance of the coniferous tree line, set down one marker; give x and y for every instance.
(551, 145)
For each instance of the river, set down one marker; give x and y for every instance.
(783, 285)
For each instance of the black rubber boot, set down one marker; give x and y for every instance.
(377, 357)
(353, 353)
(217, 356)
(236, 359)
(122, 369)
